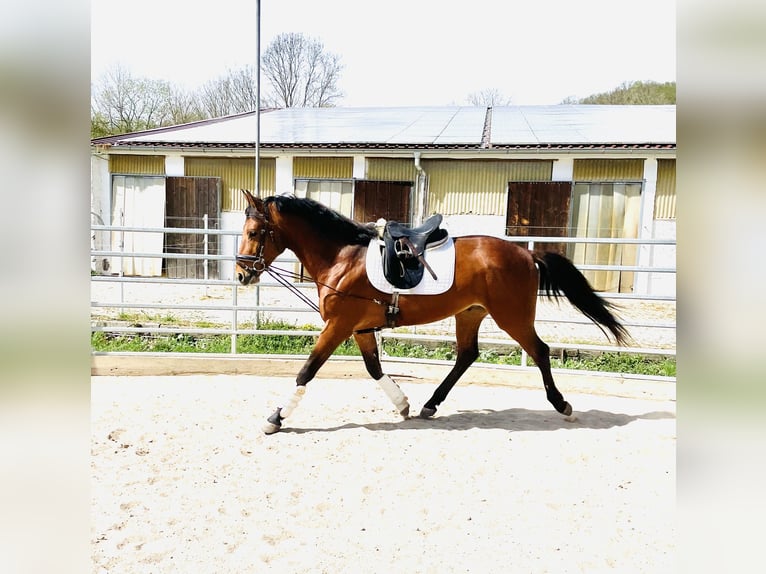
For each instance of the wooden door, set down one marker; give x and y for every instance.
(539, 208)
(387, 199)
(187, 201)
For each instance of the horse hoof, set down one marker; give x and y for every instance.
(426, 413)
(274, 422)
(567, 410)
(405, 412)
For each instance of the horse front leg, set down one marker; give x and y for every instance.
(368, 345)
(331, 336)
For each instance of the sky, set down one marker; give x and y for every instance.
(403, 52)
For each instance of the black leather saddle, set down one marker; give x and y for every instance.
(404, 250)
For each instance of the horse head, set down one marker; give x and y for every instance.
(258, 246)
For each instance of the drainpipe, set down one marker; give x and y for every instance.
(420, 191)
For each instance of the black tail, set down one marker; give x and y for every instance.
(557, 274)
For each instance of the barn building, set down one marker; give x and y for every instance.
(553, 171)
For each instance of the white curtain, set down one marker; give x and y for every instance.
(337, 195)
(606, 210)
(138, 201)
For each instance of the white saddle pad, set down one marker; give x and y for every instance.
(441, 259)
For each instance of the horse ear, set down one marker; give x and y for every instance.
(254, 202)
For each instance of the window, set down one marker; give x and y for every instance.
(335, 194)
(138, 201)
(609, 210)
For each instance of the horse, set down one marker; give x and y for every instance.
(492, 277)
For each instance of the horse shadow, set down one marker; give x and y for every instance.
(511, 420)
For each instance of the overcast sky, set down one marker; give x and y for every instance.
(403, 52)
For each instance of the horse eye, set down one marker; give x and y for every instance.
(252, 234)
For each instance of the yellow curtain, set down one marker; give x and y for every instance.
(606, 210)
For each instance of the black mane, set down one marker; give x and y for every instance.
(331, 224)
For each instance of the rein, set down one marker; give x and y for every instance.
(282, 276)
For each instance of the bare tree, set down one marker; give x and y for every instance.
(300, 73)
(488, 97)
(184, 107)
(298, 70)
(231, 93)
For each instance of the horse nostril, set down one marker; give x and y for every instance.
(241, 277)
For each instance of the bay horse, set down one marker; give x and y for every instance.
(492, 276)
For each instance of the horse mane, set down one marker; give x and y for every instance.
(331, 224)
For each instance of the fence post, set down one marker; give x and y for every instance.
(234, 287)
(205, 251)
(258, 304)
(524, 356)
(122, 260)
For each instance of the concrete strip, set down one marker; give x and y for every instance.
(404, 370)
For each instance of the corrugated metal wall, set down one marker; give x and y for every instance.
(665, 196)
(477, 186)
(137, 164)
(390, 169)
(323, 167)
(235, 173)
(608, 170)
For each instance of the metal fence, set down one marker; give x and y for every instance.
(218, 306)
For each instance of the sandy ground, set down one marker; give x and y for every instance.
(183, 479)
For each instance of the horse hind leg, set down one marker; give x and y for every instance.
(467, 334)
(540, 353)
(523, 331)
(543, 361)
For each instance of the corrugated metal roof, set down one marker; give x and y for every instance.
(524, 127)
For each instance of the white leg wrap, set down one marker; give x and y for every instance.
(296, 397)
(394, 393)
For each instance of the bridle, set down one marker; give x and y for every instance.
(257, 262)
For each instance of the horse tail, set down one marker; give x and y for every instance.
(557, 274)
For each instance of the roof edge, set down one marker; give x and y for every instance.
(388, 146)
(161, 130)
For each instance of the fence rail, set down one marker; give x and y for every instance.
(234, 318)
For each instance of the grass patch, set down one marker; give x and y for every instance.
(620, 363)
(138, 318)
(303, 344)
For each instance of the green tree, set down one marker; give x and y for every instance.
(121, 103)
(641, 93)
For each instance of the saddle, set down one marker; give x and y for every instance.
(404, 250)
